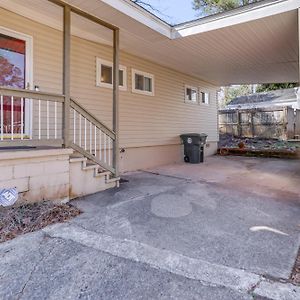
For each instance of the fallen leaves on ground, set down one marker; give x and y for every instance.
(31, 217)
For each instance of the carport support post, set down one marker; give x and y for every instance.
(116, 156)
(66, 73)
(298, 48)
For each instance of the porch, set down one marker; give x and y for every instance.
(50, 135)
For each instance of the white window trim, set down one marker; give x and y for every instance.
(136, 91)
(185, 95)
(200, 97)
(99, 62)
(28, 74)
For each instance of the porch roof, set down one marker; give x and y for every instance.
(254, 44)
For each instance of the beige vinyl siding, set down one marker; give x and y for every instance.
(144, 120)
(97, 100)
(47, 54)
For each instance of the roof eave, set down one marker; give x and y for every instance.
(141, 15)
(229, 18)
(236, 16)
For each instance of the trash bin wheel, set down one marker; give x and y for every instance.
(186, 159)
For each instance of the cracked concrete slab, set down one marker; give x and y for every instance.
(64, 269)
(206, 273)
(17, 263)
(158, 258)
(277, 291)
(68, 262)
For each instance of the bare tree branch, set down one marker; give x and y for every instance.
(143, 3)
(151, 8)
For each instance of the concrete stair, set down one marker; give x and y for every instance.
(87, 178)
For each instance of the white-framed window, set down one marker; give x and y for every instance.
(105, 74)
(142, 83)
(204, 97)
(191, 94)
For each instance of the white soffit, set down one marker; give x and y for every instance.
(236, 16)
(255, 44)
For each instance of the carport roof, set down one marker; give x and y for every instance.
(254, 44)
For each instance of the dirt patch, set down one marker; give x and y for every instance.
(295, 277)
(31, 217)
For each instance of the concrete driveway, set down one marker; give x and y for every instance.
(225, 229)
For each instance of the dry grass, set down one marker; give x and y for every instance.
(31, 217)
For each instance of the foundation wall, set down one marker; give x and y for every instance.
(37, 174)
(148, 157)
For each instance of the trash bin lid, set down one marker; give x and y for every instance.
(190, 135)
(193, 135)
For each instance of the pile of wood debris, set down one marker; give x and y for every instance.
(230, 145)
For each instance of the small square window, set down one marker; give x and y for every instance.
(143, 83)
(204, 97)
(191, 94)
(105, 75)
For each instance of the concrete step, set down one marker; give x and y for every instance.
(102, 172)
(89, 167)
(87, 178)
(114, 179)
(76, 155)
(77, 159)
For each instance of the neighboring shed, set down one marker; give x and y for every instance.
(283, 97)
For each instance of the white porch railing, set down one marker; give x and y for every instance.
(39, 122)
(30, 118)
(90, 137)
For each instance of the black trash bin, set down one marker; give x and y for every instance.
(194, 147)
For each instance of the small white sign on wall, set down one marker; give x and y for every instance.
(8, 197)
